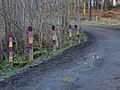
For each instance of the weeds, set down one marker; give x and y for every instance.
(21, 65)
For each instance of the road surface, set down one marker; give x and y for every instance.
(94, 65)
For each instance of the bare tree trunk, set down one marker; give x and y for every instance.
(84, 10)
(6, 25)
(102, 5)
(114, 2)
(89, 10)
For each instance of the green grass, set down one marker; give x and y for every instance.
(102, 23)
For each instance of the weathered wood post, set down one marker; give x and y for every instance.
(30, 36)
(70, 34)
(54, 37)
(77, 33)
(11, 49)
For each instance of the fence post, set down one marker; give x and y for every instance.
(70, 34)
(77, 33)
(54, 37)
(11, 49)
(30, 37)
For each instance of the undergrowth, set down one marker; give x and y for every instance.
(22, 65)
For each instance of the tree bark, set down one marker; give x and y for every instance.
(102, 5)
(89, 10)
(84, 11)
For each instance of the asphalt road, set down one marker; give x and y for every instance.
(94, 65)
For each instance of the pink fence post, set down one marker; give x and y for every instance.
(70, 34)
(77, 33)
(30, 36)
(54, 37)
(11, 49)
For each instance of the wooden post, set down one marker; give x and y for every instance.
(70, 34)
(11, 49)
(96, 18)
(54, 37)
(30, 36)
(77, 33)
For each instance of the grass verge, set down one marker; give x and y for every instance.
(6, 72)
(112, 24)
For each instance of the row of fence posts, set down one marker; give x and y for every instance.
(30, 41)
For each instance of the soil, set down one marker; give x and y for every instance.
(94, 65)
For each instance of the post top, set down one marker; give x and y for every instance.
(76, 26)
(10, 34)
(70, 26)
(30, 28)
(53, 27)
